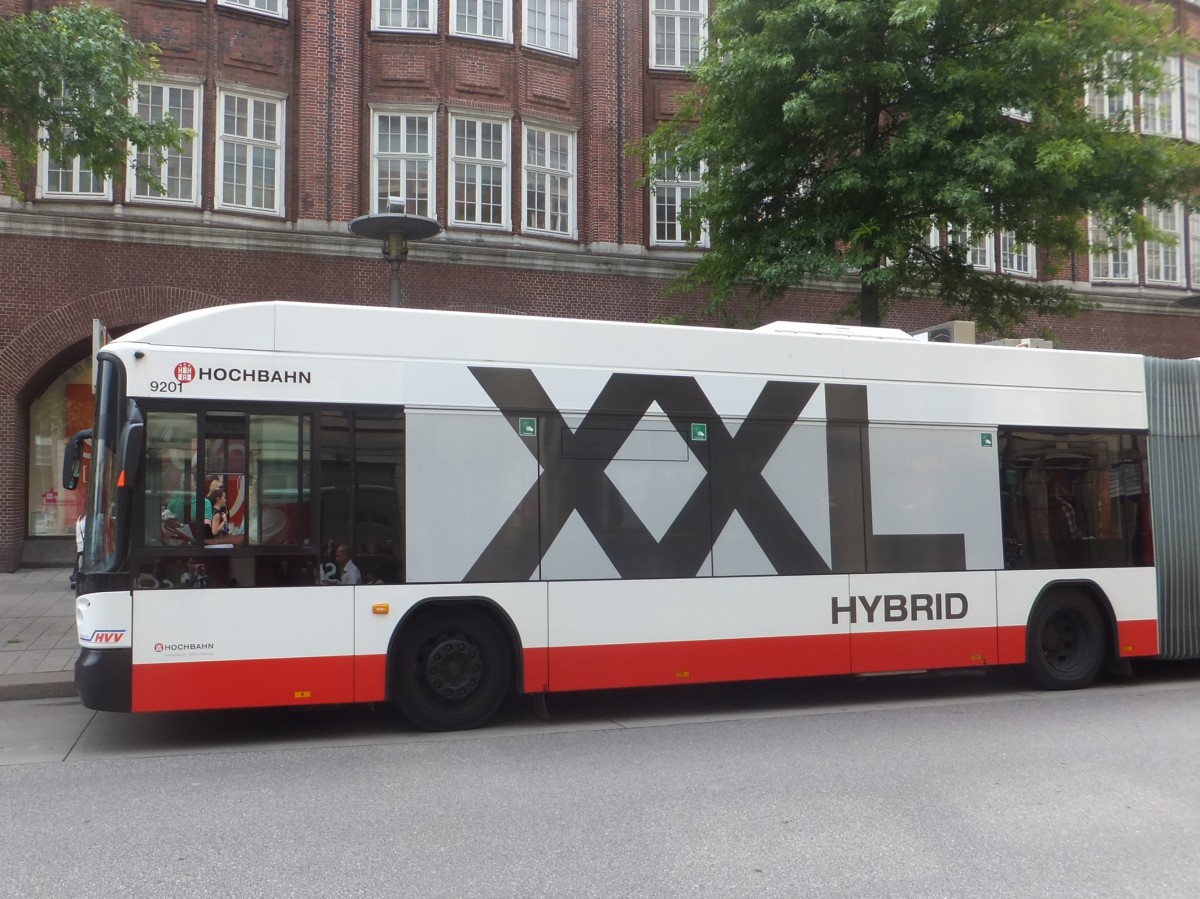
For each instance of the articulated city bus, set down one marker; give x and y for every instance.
(296, 504)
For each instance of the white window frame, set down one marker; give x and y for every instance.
(405, 9)
(980, 247)
(476, 8)
(1161, 258)
(195, 143)
(664, 11)
(77, 168)
(1191, 100)
(530, 16)
(1107, 264)
(1194, 249)
(277, 145)
(1105, 105)
(504, 164)
(533, 171)
(667, 191)
(1012, 252)
(276, 9)
(1160, 112)
(405, 156)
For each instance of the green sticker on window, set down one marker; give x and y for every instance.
(985, 439)
(699, 432)
(527, 427)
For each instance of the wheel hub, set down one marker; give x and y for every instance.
(453, 668)
(1062, 640)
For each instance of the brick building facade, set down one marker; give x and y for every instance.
(505, 120)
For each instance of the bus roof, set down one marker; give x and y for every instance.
(782, 349)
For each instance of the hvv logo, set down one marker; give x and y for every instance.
(105, 636)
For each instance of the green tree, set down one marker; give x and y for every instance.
(66, 79)
(836, 133)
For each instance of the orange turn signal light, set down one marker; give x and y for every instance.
(380, 608)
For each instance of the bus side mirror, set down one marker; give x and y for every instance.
(133, 441)
(73, 459)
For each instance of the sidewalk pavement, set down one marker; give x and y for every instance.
(38, 644)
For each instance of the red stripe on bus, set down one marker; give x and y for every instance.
(696, 662)
(957, 647)
(370, 678)
(536, 663)
(1011, 640)
(180, 686)
(1137, 638)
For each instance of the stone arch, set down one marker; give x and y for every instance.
(36, 355)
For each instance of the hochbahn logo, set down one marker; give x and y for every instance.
(186, 372)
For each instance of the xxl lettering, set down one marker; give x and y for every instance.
(573, 481)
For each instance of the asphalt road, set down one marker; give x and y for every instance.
(956, 787)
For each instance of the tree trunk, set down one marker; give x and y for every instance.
(868, 306)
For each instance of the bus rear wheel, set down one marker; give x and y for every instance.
(1066, 642)
(451, 670)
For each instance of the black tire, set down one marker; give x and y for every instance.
(451, 670)
(1066, 643)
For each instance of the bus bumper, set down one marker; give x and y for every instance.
(104, 679)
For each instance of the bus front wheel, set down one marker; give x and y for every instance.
(1066, 641)
(451, 670)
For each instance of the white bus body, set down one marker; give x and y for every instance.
(618, 504)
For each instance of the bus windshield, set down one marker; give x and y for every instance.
(100, 551)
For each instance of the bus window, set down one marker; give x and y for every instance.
(170, 479)
(280, 510)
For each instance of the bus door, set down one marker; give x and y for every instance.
(230, 605)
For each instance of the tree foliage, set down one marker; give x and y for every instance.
(835, 133)
(66, 79)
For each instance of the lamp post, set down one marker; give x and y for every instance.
(395, 229)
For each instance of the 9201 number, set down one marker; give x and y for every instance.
(166, 387)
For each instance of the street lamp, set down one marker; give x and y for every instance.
(395, 229)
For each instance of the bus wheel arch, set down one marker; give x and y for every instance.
(1069, 635)
(452, 662)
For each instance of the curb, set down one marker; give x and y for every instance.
(43, 685)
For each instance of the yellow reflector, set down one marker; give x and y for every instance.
(976, 657)
(303, 694)
(1126, 649)
(380, 608)
(683, 674)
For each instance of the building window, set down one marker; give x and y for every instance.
(1116, 106)
(178, 170)
(677, 32)
(1112, 258)
(276, 8)
(550, 25)
(549, 181)
(1194, 249)
(403, 157)
(405, 15)
(1016, 256)
(673, 189)
(1191, 100)
(978, 247)
(1160, 112)
(250, 153)
(70, 179)
(481, 18)
(479, 172)
(1162, 258)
